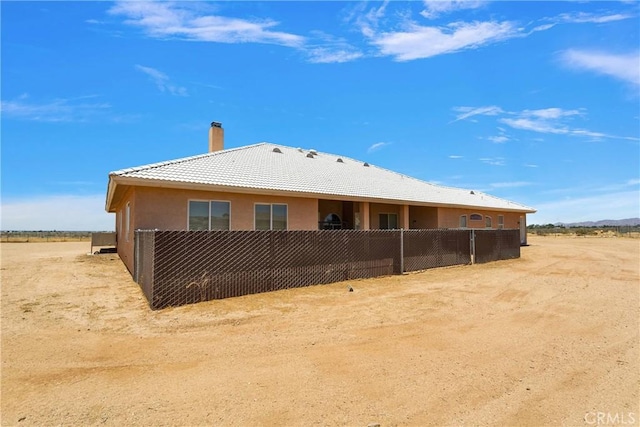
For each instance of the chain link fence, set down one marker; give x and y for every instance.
(423, 249)
(492, 245)
(182, 267)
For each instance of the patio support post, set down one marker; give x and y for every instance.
(405, 217)
(366, 220)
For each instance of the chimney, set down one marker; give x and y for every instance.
(216, 137)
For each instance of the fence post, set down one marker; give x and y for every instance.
(401, 250)
(473, 247)
(136, 255)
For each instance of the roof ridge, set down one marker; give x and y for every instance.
(182, 159)
(375, 166)
(444, 187)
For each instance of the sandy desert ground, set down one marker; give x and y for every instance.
(548, 339)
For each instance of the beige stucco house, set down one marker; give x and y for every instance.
(269, 186)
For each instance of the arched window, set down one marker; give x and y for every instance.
(331, 222)
(475, 217)
(487, 222)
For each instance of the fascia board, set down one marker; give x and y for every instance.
(115, 180)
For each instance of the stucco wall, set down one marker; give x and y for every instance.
(167, 209)
(125, 240)
(450, 218)
(421, 217)
(377, 208)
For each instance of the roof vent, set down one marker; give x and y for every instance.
(366, 164)
(277, 150)
(340, 160)
(471, 192)
(314, 152)
(310, 156)
(300, 150)
(216, 124)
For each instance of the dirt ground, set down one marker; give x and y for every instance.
(548, 339)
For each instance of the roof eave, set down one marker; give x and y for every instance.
(115, 180)
(111, 188)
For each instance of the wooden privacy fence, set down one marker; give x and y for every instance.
(181, 267)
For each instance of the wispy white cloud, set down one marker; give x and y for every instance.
(369, 22)
(511, 184)
(615, 205)
(499, 139)
(53, 213)
(377, 146)
(468, 112)
(57, 110)
(548, 120)
(529, 165)
(616, 200)
(417, 41)
(580, 18)
(591, 18)
(552, 113)
(161, 80)
(188, 21)
(399, 36)
(543, 125)
(193, 22)
(434, 8)
(625, 67)
(322, 55)
(329, 49)
(454, 156)
(534, 125)
(406, 39)
(493, 161)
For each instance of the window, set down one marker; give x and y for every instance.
(119, 224)
(388, 221)
(209, 215)
(127, 221)
(331, 222)
(475, 217)
(487, 222)
(270, 217)
(500, 222)
(463, 221)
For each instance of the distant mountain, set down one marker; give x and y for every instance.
(603, 223)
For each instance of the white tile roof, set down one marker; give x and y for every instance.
(297, 171)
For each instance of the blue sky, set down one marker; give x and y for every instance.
(536, 102)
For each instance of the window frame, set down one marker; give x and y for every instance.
(209, 202)
(488, 221)
(388, 214)
(271, 205)
(127, 213)
(466, 224)
(500, 222)
(476, 217)
(119, 224)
